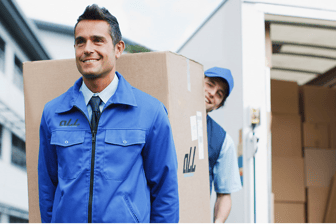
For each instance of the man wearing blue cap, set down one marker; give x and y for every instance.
(223, 164)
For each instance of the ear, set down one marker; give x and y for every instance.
(119, 48)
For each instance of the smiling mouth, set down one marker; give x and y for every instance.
(90, 60)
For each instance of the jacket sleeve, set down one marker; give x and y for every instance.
(47, 172)
(160, 165)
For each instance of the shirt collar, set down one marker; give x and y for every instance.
(74, 97)
(104, 95)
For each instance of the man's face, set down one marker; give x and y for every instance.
(214, 93)
(95, 53)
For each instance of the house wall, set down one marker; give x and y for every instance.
(13, 178)
(60, 46)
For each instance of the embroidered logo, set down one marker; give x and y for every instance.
(68, 123)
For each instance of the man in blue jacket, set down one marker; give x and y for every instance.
(106, 148)
(223, 164)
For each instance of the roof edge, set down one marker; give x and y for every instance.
(69, 30)
(22, 31)
(54, 27)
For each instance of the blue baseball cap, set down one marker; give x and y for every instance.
(223, 73)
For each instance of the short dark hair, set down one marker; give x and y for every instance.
(94, 12)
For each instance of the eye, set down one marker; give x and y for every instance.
(79, 41)
(220, 94)
(209, 84)
(98, 40)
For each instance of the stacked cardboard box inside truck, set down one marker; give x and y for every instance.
(318, 109)
(303, 152)
(287, 161)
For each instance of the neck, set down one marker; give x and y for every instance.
(96, 85)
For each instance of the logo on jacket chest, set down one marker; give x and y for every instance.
(188, 164)
(69, 123)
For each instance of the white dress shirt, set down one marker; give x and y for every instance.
(104, 95)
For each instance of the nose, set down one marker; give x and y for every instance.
(212, 92)
(88, 49)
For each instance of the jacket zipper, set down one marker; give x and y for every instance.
(94, 133)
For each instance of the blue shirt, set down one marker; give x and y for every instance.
(226, 171)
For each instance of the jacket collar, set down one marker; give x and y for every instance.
(74, 98)
(124, 93)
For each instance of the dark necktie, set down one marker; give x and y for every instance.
(95, 102)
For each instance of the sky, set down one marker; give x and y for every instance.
(157, 24)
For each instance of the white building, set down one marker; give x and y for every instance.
(18, 43)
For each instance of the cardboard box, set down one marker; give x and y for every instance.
(173, 79)
(286, 135)
(318, 104)
(289, 212)
(288, 179)
(284, 97)
(332, 135)
(316, 203)
(330, 215)
(315, 135)
(320, 166)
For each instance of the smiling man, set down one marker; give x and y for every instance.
(223, 164)
(118, 163)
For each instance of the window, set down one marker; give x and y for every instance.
(18, 76)
(18, 151)
(2, 55)
(14, 219)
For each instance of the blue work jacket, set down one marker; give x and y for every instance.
(125, 172)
